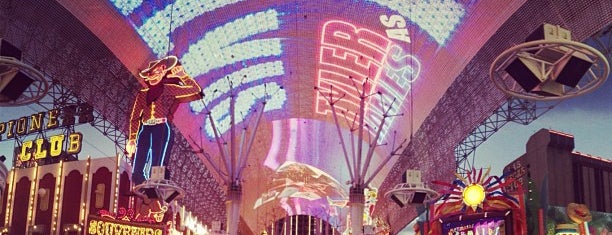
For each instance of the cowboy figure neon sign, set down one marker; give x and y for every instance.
(150, 137)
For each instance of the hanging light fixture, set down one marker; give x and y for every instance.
(549, 66)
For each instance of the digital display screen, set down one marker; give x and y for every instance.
(252, 53)
(490, 226)
(402, 55)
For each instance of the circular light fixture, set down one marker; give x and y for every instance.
(27, 84)
(473, 195)
(530, 71)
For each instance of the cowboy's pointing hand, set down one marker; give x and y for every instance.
(177, 72)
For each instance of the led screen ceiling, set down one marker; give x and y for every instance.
(254, 49)
(281, 50)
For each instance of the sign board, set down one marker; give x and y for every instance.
(106, 226)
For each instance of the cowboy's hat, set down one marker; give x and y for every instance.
(169, 61)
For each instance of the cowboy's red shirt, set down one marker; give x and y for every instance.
(164, 106)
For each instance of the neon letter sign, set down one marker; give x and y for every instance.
(437, 18)
(399, 33)
(348, 52)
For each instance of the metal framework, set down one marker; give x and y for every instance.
(85, 71)
(234, 152)
(358, 171)
(518, 110)
(514, 110)
(59, 97)
(69, 52)
(64, 99)
(35, 91)
(448, 124)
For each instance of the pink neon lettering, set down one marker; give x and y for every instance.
(363, 42)
(347, 57)
(348, 52)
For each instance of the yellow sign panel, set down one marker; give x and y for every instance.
(39, 150)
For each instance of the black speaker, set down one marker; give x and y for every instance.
(418, 197)
(172, 196)
(150, 193)
(525, 73)
(16, 84)
(7, 49)
(397, 201)
(573, 69)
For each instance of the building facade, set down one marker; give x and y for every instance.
(57, 198)
(553, 176)
(563, 175)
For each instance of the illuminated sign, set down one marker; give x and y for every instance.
(438, 18)
(32, 124)
(234, 48)
(278, 51)
(54, 145)
(473, 195)
(129, 214)
(243, 53)
(155, 211)
(43, 148)
(479, 227)
(355, 61)
(104, 226)
(518, 174)
(396, 27)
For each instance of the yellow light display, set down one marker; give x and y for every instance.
(473, 195)
(10, 197)
(84, 195)
(58, 182)
(74, 144)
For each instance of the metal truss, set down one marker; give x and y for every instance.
(78, 84)
(517, 110)
(471, 98)
(67, 101)
(73, 112)
(83, 71)
(514, 110)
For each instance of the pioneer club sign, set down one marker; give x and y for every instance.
(47, 146)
